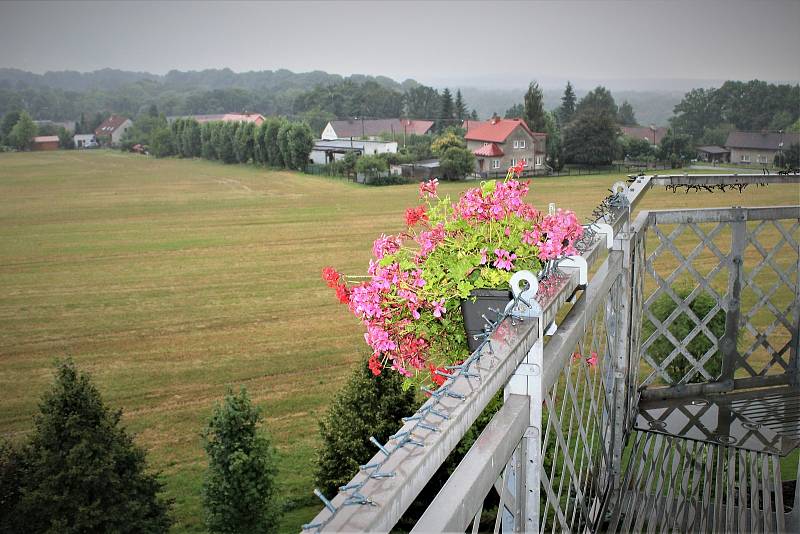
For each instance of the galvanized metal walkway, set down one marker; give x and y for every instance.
(692, 486)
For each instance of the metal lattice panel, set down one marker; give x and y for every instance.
(578, 421)
(666, 285)
(772, 284)
(746, 261)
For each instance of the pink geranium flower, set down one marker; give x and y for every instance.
(504, 259)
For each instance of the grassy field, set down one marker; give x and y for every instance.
(168, 280)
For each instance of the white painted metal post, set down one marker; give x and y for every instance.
(527, 460)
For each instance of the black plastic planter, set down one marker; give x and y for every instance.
(473, 312)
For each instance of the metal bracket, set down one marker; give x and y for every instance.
(580, 263)
(524, 303)
(620, 191)
(552, 329)
(605, 228)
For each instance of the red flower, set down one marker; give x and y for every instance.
(342, 293)
(331, 276)
(375, 365)
(517, 169)
(415, 215)
(437, 379)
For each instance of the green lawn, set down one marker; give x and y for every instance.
(169, 279)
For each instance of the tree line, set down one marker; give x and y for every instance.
(587, 131)
(277, 142)
(329, 97)
(708, 115)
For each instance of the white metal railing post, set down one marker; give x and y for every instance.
(527, 462)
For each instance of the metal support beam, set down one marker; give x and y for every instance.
(462, 496)
(727, 345)
(723, 179)
(619, 319)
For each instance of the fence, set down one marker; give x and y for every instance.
(563, 453)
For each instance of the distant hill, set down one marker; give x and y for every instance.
(266, 91)
(209, 79)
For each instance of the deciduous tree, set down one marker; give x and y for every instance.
(23, 132)
(456, 162)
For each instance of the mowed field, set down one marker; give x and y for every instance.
(168, 280)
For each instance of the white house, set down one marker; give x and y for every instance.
(81, 140)
(112, 129)
(327, 151)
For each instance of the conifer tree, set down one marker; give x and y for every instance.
(567, 109)
(625, 115)
(534, 108)
(239, 494)
(80, 470)
(460, 108)
(445, 109)
(366, 406)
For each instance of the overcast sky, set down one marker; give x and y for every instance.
(487, 43)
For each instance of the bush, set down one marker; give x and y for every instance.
(80, 470)
(680, 328)
(456, 163)
(239, 490)
(366, 406)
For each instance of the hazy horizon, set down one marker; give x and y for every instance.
(698, 43)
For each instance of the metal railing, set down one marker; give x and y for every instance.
(554, 453)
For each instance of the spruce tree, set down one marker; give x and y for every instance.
(80, 470)
(239, 494)
(534, 108)
(567, 109)
(366, 406)
(460, 108)
(445, 109)
(625, 115)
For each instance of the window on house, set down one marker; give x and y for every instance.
(762, 159)
(516, 143)
(525, 162)
(513, 162)
(522, 143)
(495, 163)
(538, 160)
(745, 158)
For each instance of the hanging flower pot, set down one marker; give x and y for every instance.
(482, 304)
(430, 286)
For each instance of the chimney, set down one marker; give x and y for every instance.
(495, 118)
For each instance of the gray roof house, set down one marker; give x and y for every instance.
(758, 147)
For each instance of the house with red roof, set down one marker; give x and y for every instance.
(112, 129)
(500, 143)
